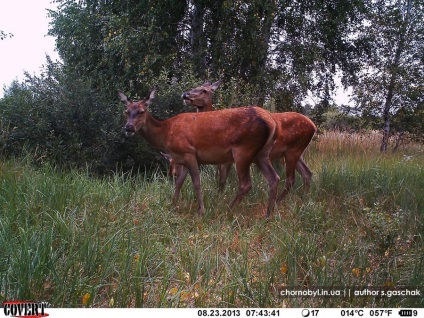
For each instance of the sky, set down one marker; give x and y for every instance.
(28, 21)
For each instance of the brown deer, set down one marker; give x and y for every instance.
(241, 136)
(294, 133)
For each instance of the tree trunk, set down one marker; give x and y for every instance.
(393, 78)
(386, 114)
(266, 36)
(196, 39)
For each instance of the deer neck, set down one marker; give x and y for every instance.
(206, 107)
(154, 131)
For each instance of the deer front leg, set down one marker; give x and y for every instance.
(193, 169)
(223, 172)
(179, 183)
(244, 181)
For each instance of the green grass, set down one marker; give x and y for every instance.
(74, 240)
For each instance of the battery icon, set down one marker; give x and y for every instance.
(405, 313)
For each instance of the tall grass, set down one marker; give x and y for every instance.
(74, 240)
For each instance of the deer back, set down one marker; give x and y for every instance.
(213, 136)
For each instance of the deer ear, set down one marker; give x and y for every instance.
(206, 83)
(151, 97)
(124, 98)
(215, 85)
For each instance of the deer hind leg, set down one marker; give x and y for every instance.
(291, 160)
(223, 172)
(305, 172)
(244, 181)
(272, 179)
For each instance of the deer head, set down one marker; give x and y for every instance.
(135, 112)
(201, 97)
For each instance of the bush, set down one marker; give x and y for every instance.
(61, 119)
(58, 118)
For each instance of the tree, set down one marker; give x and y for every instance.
(392, 76)
(118, 44)
(312, 41)
(272, 45)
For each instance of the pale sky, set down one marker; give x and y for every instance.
(27, 20)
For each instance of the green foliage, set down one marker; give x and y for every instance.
(58, 118)
(411, 121)
(168, 101)
(119, 44)
(236, 92)
(335, 120)
(270, 45)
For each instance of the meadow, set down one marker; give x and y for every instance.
(75, 240)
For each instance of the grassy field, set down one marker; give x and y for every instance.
(75, 241)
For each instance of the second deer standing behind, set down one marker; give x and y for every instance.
(294, 133)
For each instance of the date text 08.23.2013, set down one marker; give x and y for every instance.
(238, 313)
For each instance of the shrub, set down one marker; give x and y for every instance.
(59, 118)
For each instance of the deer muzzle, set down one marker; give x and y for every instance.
(129, 129)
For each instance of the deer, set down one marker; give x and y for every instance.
(294, 133)
(241, 136)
